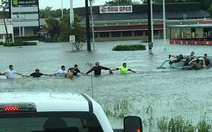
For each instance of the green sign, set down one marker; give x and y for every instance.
(15, 2)
(24, 2)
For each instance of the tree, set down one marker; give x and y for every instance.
(65, 29)
(48, 12)
(74, 29)
(5, 5)
(205, 4)
(53, 25)
(79, 32)
(210, 9)
(120, 2)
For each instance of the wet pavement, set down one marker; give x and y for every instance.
(147, 93)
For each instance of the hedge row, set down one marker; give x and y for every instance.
(129, 47)
(28, 38)
(20, 44)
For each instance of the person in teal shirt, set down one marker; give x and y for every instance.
(123, 69)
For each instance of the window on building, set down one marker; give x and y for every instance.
(138, 33)
(104, 35)
(116, 34)
(127, 33)
(95, 35)
(1, 36)
(146, 32)
(156, 32)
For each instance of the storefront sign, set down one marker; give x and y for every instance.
(25, 2)
(115, 9)
(7, 21)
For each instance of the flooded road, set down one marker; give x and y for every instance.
(149, 93)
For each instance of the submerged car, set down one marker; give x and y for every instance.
(176, 65)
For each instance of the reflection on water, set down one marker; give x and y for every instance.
(168, 93)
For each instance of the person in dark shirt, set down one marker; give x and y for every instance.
(97, 69)
(207, 61)
(36, 74)
(177, 58)
(76, 70)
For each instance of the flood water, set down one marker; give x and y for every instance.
(149, 93)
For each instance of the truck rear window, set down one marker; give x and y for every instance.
(49, 122)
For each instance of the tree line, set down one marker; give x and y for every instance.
(48, 12)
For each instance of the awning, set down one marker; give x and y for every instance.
(43, 31)
(191, 26)
(126, 28)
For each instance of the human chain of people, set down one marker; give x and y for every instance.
(192, 62)
(70, 73)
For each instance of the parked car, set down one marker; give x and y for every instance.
(57, 112)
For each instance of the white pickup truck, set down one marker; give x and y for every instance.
(57, 112)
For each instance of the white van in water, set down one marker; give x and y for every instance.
(57, 112)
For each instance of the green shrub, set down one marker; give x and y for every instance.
(178, 124)
(20, 44)
(144, 41)
(203, 126)
(28, 38)
(1, 43)
(129, 47)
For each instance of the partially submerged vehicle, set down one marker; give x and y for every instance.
(176, 65)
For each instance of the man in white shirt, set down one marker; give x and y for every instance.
(62, 71)
(10, 72)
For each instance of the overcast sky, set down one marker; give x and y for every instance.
(55, 4)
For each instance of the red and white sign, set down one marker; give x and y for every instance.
(115, 9)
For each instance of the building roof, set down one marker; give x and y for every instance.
(140, 12)
(156, 15)
(191, 26)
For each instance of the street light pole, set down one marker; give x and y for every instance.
(164, 24)
(88, 27)
(92, 24)
(62, 7)
(150, 43)
(71, 12)
(152, 23)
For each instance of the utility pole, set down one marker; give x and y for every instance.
(71, 12)
(150, 43)
(62, 8)
(88, 26)
(92, 24)
(164, 24)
